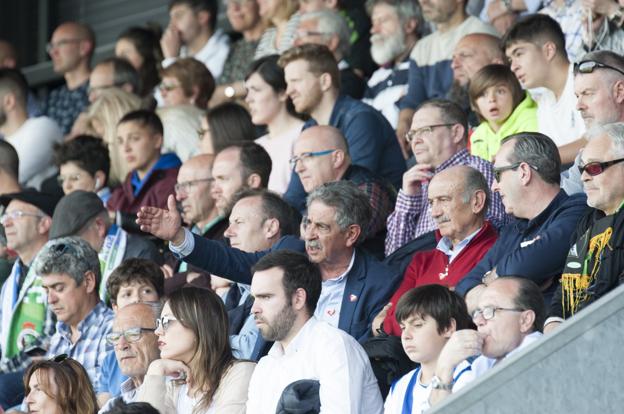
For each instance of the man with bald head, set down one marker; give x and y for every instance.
(136, 346)
(459, 197)
(70, 48)
(321, 155)
(471, 53)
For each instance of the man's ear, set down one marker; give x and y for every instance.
(158, 141)
(254, 181)
(298, 299)
(477, 201)
(44, 225)
(352, 234)
(271, 228)
(618, 91)
(527, 319)
(338, 158)
(90, 281)
(451, 329)
(326, 81)
(549, 50)
(8, 101)
(458, 132)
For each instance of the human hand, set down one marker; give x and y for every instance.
(170, 368)
(496, 9)
(379, 319)
(167, 271)
(170, 42)
(461, 345)
(164, 224)
(551, 326)
(414, 177)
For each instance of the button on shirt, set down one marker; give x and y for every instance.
(330, 302)
(318, 352)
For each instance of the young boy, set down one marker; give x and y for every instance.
(428, 316)
(152, 175)
(135, 280)
(535, 46)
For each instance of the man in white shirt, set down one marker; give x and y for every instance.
(535, 46)
(510, 315)
(191, 33)
(33, 138)
(286, 287)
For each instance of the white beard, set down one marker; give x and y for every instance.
(385, 49)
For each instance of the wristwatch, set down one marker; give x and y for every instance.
(229, 92)
(437, 384)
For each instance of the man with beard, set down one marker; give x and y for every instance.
(397, 26)
(473, 52)
(287, 286)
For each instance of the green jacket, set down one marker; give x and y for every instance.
(484, 142)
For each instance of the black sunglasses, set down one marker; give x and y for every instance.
(597, 168)
(588, 66)
(59, 358)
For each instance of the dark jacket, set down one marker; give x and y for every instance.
(535, 249)
(368, 287)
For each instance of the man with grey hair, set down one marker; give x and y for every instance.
(396, 27)
(355, 285)
(458, 198)
(526, 175)
(70, 272)
(595, 263)
(327, 27)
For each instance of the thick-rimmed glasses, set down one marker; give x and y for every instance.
(306, 156)
(187, 185)
(498, 171)
(164, 322)
(131, 335)
(413, 134)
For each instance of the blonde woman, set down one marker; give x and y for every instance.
(103, 116)
(283, 20)
(182, 124)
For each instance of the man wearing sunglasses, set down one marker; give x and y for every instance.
(25, 323)
(595, 263)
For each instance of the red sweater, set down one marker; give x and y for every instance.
(428, 267)
(153, 194)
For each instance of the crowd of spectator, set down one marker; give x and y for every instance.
(250, 219)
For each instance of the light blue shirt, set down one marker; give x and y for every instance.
(330, 301)
(446, 246)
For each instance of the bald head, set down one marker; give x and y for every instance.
(473, 52)
(199, 162)
(326, 137)
(193, 188)
(79, 30)
(143, 313)
(8, 57)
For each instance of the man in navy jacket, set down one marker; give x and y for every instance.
(535, 246)
(355, 285)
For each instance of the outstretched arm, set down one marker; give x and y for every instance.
(164, 224)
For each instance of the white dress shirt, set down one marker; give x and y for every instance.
(213, 54)
(318, 352)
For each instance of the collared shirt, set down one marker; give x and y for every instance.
(483, 364)
(446, 246)
(569, 16)
(196, 230)
(91, 348)
(330, 301)
(318, 352)
(386, 87)
(412, 214)
(64, 105)
(213, 54)
(128, 395)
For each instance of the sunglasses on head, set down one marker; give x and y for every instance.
(588, 66)
(597, 168)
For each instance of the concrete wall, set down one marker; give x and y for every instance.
(578, 369)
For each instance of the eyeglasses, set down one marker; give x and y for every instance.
(163, 322)
(306, 156)
(15, 214)
(498, 171)
(55, 45)
(597, 168)
(588, 66)
(413, 134)
(131, 335)
(489, 312)
(168, 87)
(72, 178)
(186, 185)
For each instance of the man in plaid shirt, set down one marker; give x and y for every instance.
(438, 137)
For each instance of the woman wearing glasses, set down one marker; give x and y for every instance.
(197, 372)
(59, 386)
(269, 105)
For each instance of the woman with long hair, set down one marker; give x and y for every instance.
(59, 386)
(269, 105)
(141, 47)
(223, 125)
(196, 373)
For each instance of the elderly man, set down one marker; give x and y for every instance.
(82, 214)
(335, 164)
(355, 285)
(438, 137)
(26, 323)
(509, 316)
(136, 346)
(396, 27)
(329, 28)
(459, 197)
(287, 286)
(535, 246)
(598, 81)
(595, 263)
